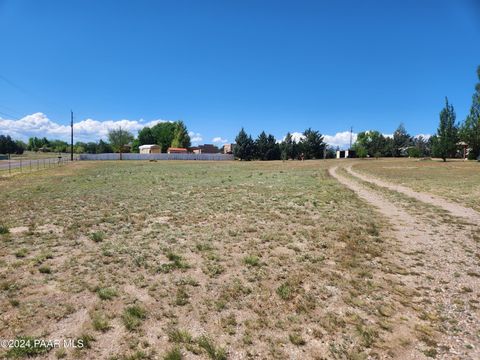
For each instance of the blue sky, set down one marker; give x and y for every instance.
(220, 65)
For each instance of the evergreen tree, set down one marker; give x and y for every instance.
(244, 146)
(288, 148)
(312, 145)
(401, 140)
(261, 146)
(469, 132)
(444, 143)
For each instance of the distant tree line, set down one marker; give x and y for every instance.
(374, 144)
(10, 146)
(266, 147)
(443, 144)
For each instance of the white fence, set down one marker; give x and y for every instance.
(130, 156)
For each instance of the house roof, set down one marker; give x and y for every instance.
(177, 149)
(148, 146)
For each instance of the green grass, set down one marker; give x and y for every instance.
(107, 293)
(133, 316)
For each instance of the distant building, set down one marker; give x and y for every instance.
(150, 149)
(207, 149)
(173, 150)
(228, 148)
(344, 154)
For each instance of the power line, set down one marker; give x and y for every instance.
(9, 115)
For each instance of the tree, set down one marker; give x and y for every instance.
(401, 140)
(244, 146)
(312, 144)
(181, 138)
(372, 143)
(103, 147)
(469, 132)
(119, 138)
(145, 136)
(163, 134)
(288, 148)
(444, 143)
(9, 146)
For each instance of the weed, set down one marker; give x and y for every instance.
(97, 236)
(45, 269)
(133, 316)
(4, 229)
(296, 339)
(251, 260)
(179, 336)
(174, 354)
(100, 322)
(106, 293)
(285, 291)
(215, 354)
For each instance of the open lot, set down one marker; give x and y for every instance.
(198, 260)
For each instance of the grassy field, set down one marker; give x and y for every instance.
(197, 260)
(454, 180)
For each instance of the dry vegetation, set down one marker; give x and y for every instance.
(173, 260)
(454, 180)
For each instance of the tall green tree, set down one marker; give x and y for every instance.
(181, 138)
(119, 138)
(244, 146)
(163, 134)
(288, 148)
(401, 140)
(444, 143)
(145, 136)
(312, 144)
(469, 131)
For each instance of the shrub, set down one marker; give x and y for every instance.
(97, 236)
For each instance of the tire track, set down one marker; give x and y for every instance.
(439, 262)
(453, 208)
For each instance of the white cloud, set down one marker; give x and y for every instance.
(219, 140)
(195, 137)
(296, 136)
(40, 125)
(424, 136)
(340, 139)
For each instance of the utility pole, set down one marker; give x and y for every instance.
(351, 132)
(71, 135)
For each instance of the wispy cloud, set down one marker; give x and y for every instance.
(219, 140)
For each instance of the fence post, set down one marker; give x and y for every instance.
(9, 166)
(20, 165)
(30, 165)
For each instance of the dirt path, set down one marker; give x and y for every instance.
(442, 273)
(453, 208)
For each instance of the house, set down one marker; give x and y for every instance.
(344, 154)
(150, 149)
(228, 148)
(172, 150)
